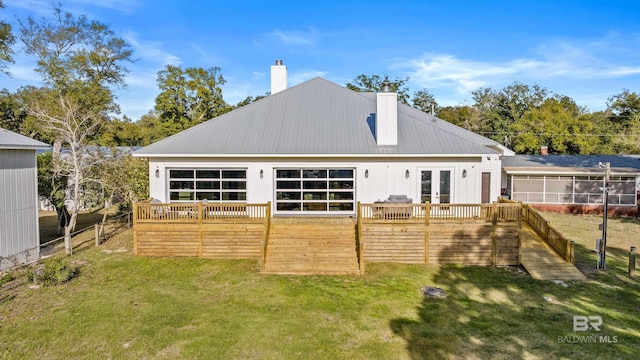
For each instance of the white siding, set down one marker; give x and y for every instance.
(385, 177)
(19, 228)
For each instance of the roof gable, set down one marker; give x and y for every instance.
(11, 140)
(317, 117)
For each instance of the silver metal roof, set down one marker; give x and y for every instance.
(11, 140)
(583, 163)
(314, 118)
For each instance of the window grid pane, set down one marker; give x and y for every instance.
(315, 190)
(207, 184)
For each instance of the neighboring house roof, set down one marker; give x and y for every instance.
(11, 140)
(570, 163)
(314, 118)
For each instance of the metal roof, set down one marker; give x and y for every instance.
(11, 140)
(583, 163)
(316, 118)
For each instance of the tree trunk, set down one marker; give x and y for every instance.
(68, 246)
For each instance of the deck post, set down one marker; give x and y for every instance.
(359, 239)
(97, 233)
(632, 261)
(134, 216)
(427, 212)
(200, 216)
(494, 249)
(494, 219)
(263, 244)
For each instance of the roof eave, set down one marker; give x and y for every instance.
(142, 155)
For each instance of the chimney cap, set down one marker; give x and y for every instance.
(386, 86)
(278, 62)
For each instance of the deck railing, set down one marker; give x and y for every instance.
(552, 236)
(195, 212)
(387, 212)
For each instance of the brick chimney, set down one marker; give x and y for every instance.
(544, 150)
(386, 116)
(279, 76)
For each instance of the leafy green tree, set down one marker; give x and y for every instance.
(6, 41)
(373, 83)
(624, 107)
(118, 132)
(12, 113)
(188, 97)
(557, 123)
(52, 185)
(465, 116)
(79, 60)
(500, 109)
(249, 99)
(425, 101)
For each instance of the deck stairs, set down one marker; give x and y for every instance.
(307, 246)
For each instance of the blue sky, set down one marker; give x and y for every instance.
(587, 50)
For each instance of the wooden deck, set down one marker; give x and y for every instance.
(541, 261)
(468, 234)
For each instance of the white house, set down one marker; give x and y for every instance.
(19, 230)
(318, 148)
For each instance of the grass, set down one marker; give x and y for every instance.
(122, 306)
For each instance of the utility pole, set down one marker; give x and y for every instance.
(605, 195)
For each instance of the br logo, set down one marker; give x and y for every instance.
(583, 323)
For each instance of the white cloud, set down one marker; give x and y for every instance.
(151, 50)
(557, 59)
(295, 38)
(298, 77)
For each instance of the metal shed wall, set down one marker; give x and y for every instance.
(19, 228)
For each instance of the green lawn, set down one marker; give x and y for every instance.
(123, 306)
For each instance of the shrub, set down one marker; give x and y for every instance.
(5, 278)
(53, 271)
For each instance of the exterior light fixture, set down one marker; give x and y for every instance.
(406, 173)
(366, 174)
(157, 172)
(261, 173)
(464, 173)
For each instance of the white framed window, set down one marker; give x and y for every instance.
(315, 190)
(221, 185)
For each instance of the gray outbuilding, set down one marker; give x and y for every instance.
(19, 230)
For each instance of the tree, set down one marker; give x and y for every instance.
(78, 60)
(188, 97)
(118, 132)
(373, 83)
(465, 116)
(424, 101)
(119, 174)
(6, 41)
(12, 113)
(51, 186)
(557, 123)
(500, 109)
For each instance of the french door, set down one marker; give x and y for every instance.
(435, 186)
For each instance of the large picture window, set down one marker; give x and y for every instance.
(208, 184)
(315, 190)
